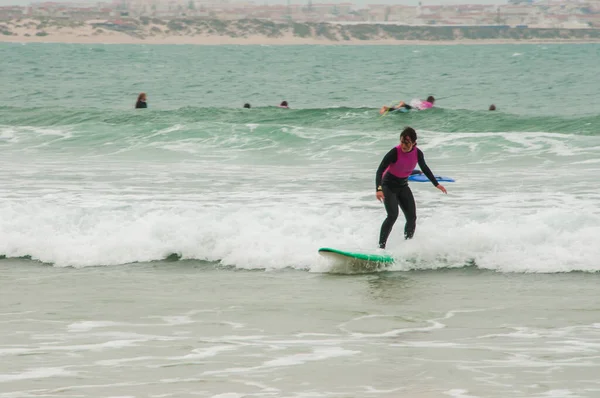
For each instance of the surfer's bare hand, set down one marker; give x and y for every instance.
(441, 188)
(380, 196)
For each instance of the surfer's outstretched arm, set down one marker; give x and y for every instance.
(427, 171)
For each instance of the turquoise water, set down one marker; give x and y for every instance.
(531, 80)
(172, 251)
(87, 180)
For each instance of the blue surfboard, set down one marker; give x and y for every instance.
(418, 176)
(423, 178)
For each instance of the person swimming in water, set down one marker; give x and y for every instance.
(492, 107)
(284, 104)
(417, 104)
(141, 101)
(391, 181)
(247, 105)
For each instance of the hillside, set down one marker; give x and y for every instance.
(152, 29)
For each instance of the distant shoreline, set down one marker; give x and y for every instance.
(152, 31)
(223, 40)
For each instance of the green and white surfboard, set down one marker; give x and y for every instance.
(367, 257)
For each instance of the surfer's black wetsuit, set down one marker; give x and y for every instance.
(405, 106)
(396, 193)
(141, 104)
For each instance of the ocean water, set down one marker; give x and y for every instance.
(172, 251)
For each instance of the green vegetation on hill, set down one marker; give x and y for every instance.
(5, 30)
(189, 26)
(301, 30)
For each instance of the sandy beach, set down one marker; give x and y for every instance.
(30, 31)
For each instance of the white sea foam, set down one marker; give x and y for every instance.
(508, 211)
(37, 373)
(317, 355)
(506, 232)
(86, 326)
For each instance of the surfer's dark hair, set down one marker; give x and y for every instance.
(431, 99)
(410, 133)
